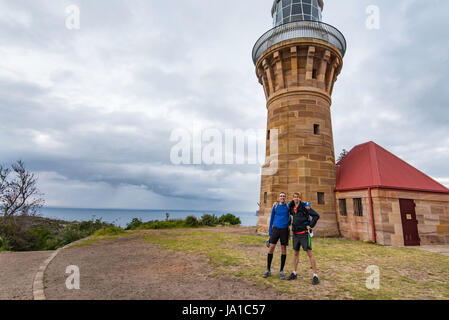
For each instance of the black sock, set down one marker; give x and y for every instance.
(283, 259)
(270, 259)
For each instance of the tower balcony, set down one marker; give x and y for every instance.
(300, 30)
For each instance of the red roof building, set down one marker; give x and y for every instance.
(370, 166)
(383, 199)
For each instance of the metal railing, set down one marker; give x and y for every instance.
(300, 29)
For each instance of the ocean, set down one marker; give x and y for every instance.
(121, 217)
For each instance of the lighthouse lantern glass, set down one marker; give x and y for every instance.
(296, 10)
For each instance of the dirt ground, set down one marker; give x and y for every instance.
(17, 271)
(130, 269)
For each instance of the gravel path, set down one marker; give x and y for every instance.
(130, 269)
(17, 271)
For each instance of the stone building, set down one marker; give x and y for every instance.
(372, 195)
(383, 199)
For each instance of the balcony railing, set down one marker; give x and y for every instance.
(300, 29)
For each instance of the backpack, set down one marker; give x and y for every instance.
(309, 217)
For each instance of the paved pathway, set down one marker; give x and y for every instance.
(442, 249)
(23, 265)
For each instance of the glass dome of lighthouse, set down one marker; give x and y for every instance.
(298, 19)
(285, 11)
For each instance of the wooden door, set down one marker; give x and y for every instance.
(409, 222)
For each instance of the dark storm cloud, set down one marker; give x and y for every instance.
(92, 110)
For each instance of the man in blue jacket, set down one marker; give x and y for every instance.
(279, 223)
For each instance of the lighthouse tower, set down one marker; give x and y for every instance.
(298, 62)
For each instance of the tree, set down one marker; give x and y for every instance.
(19, 195)
(342, 155)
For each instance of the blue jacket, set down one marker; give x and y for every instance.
(280, 219)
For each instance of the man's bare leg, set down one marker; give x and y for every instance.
(295, 262)
(313, 264)
(312, 261)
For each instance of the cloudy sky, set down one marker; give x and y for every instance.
(92, 110)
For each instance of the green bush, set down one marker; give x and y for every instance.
(109, 231)
(209, 220)
(76, 231)
(230, 219)
(43, 237)
(4, 244)
(15, 238)
(191, 221)
(134, 224)
(156, 225)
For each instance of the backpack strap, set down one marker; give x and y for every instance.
(276, 208)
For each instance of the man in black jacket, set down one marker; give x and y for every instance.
(304, 219)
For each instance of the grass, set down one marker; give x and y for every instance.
(110, 233)
(404, 273)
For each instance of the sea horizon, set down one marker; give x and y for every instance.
(122, 216)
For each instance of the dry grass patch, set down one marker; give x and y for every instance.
(405, 273)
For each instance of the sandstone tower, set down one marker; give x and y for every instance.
(298, 62)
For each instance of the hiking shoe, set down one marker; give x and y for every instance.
(267, 274)
(281, 275)
(292, 277)
(315, 281)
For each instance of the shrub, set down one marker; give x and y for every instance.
(230, 219)
(191, 221)
(134, 224)
(19, 238)
(44, 236)
(4, 245)
(109, 231)
(209, 220)
(170, 224)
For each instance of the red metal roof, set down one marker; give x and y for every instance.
(370, 166)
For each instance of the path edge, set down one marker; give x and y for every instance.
(38, 282)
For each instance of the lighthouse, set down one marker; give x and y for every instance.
(297, 63)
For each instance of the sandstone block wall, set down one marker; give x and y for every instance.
(298, 78)
(432, 212)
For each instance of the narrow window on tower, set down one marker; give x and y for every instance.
(321, 198)
(314, 74)
(268, 134)
(265, 198)
(316, 129)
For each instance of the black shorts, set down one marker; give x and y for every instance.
(283, 234)
(301, 241)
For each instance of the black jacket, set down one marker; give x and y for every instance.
(303, 218)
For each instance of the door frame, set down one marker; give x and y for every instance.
(405, 219)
